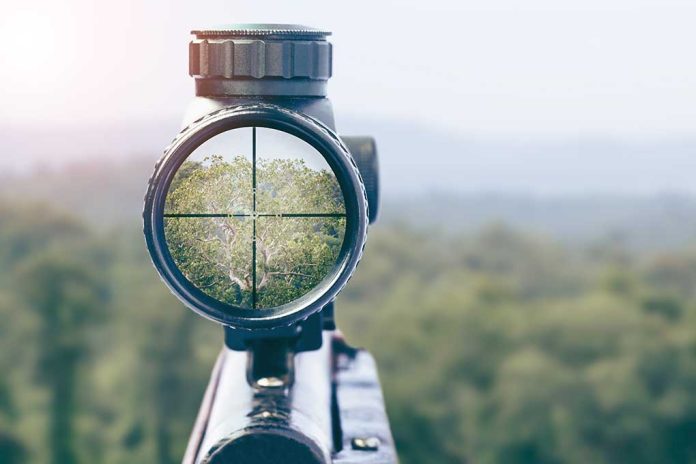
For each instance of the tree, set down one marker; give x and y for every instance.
(67, 295)
(293, 254)
(12, 451)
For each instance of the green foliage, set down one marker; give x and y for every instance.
(214, 186)
(503, 348)
(290, 186)
(493, 347)
(292, 254)
(11, 449)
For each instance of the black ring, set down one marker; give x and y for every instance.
(339, 159)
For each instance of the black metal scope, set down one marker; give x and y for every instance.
(256, 217)
(257, 214)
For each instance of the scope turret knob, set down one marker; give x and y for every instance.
(267, 52)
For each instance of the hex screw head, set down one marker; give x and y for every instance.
(270, 382)
(366, 444)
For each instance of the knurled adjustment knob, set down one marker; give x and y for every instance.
(260, 51)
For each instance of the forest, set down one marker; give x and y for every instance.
(497, 343)
(248, 252)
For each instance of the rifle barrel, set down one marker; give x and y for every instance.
(240, 424)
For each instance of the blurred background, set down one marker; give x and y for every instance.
(529, 291)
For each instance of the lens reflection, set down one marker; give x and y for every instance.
(255, 218)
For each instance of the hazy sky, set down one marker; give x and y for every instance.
(620, 67)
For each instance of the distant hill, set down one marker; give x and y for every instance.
(642, 221)
(109, 192)
(414, 158)
(106, 192)
(576, 190)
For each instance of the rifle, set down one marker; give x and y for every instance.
(334, 413)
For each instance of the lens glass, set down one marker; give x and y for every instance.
(255, 218)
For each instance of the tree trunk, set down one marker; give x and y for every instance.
(61, 428)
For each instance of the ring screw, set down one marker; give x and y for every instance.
(366, 444)
(270, 382)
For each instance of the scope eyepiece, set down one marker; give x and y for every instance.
(256, 216)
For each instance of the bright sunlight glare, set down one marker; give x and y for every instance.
(30, 47)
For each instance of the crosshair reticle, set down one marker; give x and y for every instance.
(255, 218)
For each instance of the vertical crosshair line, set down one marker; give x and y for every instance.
(253, 217)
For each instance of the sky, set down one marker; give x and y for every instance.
(533, 68)
(270, 144)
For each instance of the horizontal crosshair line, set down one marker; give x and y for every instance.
(278, 215)
(301, 215)
(203, 215)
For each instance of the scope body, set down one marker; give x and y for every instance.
(261, 76)
(306, 331)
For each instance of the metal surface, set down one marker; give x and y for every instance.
(280, 31)
(360, 407)
(293, 419)
(261, 60)
(342, 164)
(225, 87)
(319, 108)
(312, 421)
(364, 151)
(271, 363)
(203, 417)
(365, 444)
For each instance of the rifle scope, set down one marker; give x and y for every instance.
(256, 215)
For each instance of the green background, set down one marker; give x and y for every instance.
(495, 344)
